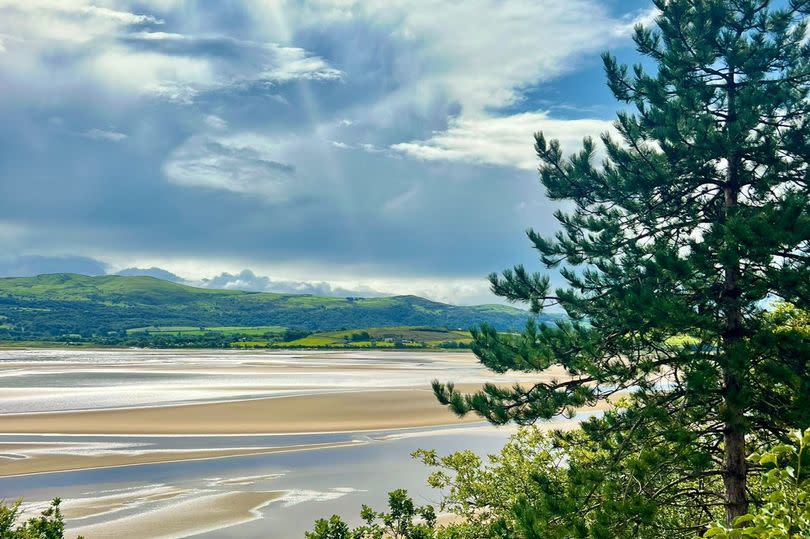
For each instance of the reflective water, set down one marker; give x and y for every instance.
(313, 483)
(316, 483)
(61, 380)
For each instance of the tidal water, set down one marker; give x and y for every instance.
(316, 483)
(64, 380)
(313, 483)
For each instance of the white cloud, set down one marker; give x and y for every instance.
(645, 18)
(183, 77)
(484, 52)
(525, 43)
(364, 146)
(98, 47)
(371, 148)
(232, 165)
(104, 134)
(122, 17)
(64, 20)
(182, 94)
(505, 141)
(215, 122)
(444, 289)
(157, 36)
(293, 63)
(516, 44)
(171, 77)
(247, 280)
(86, 39)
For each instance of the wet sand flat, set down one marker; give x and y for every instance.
(184, 518)
(369, 410)
(102, 505)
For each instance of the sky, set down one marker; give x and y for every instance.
(338, 147)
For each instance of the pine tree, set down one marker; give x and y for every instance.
(678, 240)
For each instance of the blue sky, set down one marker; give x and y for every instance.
(330, 146)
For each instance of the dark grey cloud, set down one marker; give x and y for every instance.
(227, 48)
(32, 265)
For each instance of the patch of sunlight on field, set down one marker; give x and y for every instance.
(682, 340)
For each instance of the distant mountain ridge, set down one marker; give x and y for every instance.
(158, 273)
(64, 303)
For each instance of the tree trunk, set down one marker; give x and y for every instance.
(735, 366)
(735, 362)
(735, 474)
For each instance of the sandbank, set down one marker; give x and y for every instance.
(342, 412)
(183, 518)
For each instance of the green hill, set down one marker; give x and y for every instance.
(64, 304)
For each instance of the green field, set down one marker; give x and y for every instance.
(682, 340)
(274, 337)
(402, 337)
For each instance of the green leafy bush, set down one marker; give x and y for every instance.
(48, 525)
(403, 521)
(784, 511)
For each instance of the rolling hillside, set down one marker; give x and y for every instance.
(63, 304)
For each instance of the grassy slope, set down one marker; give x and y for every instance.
(110, 289)
(68, 303)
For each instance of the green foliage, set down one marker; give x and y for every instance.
(103, 309)
(485, 494)
(696, 218)
(784, 511)
(260, 331)
(598, 482)
(403, 520)
(333, 528)
(360, 336)
(602, 482)
(48, 525)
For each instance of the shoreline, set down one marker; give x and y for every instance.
(44, 345)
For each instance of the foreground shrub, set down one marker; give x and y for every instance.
(403, 521)
(48, 525)
(784, 512)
